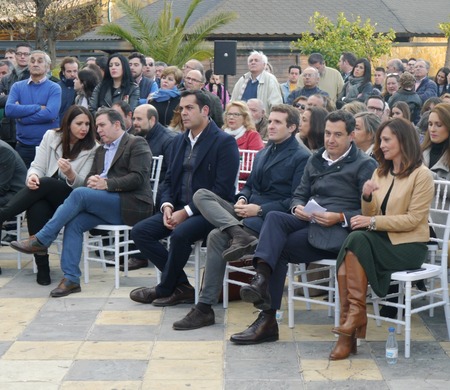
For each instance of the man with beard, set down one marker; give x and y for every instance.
(67, 75)
(159, 138)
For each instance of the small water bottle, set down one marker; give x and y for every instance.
(391, 347)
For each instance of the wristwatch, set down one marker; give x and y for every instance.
(260, 212)
(372, 224)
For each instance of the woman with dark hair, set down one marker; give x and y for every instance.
(436, 144)
(63, 160)
(166, 98)
(442, 80)
(117, 84)
(84, 85)
(392, 232)
(312, 127)
(359, 85)
(401, 110)
(214, 85)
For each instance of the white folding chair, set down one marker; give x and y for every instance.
(300, 270)
(437, 295)
(17, 232)
(247, 269)
(119, 236)
(245, 165)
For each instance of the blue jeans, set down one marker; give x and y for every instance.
(81, 211)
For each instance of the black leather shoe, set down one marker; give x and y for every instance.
(257, 292)
(263, 330)
(195, 319)
(30, 246)
(183, 293)
(143, 294)
(134, 264)
(242, 244)
(8, 238)
(65, 287)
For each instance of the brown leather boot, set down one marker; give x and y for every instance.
(356, 322)
(345, 345)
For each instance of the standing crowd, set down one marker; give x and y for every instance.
(364, 144)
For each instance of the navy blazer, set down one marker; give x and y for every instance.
(426, 89)
(272, 185)
(216, 166)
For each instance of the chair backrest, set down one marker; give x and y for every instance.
(156, 172)
(439, 219)
(246, 163)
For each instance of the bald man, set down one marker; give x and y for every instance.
(159, 138)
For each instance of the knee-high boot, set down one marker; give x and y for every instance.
(345, 344)
(356, 322)
(43, 274)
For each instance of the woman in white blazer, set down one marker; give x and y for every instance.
(63, 160)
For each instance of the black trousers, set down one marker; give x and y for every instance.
(40, 204)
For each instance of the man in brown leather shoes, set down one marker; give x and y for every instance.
(117, 192)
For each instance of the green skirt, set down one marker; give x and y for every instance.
(380, 258)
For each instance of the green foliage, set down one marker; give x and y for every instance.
(445, 28)
(167, 39)
(331, 39)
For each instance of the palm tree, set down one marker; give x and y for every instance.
(167, 38)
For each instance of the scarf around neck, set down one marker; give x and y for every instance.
(162, 95)
(238, 133)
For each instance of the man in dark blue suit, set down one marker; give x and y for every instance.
(277, 171)
(202, 157)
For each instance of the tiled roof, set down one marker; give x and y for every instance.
(278, 18)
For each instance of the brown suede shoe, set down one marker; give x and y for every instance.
(134, 264)
(143, 294)
(65, 287)
(30, 246)
(264, 329)
(195, 319)
(183, 294)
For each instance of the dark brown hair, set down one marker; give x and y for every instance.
(409, 143)
(86, 143)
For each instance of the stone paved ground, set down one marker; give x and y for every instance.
(100, 339)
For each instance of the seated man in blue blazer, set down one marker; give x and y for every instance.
(277, 171)
(202, 157)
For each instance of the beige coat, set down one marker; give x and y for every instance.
(45, 163)
(407, 209)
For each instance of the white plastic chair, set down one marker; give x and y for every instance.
(437, 296)
(17, 232)
(246, 269)
(119, 236)
(246, 164)
(300, 270)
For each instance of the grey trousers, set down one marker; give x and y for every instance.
(219, 213)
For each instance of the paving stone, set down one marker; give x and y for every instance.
(107, 370)
(123, 333)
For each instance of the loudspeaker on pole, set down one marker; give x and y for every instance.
(225, 57)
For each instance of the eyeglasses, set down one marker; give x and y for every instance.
(233, 114)
(411, 63)
(191, 80)
(22, 54)
(299, 105)
(391, 74)
(376, 109)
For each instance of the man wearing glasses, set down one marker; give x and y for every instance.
(195, 80)
(377, 105)
(310, 87)
(20, 72)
